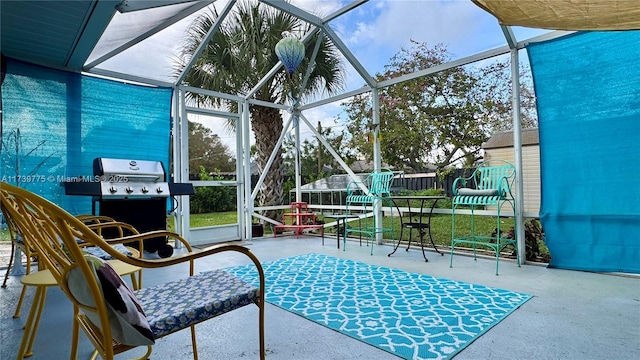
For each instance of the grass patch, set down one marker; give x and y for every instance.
(4, 235)
(440, 226)
(441, 229)
(196, 220)
(213, 219)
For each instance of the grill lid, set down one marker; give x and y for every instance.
(122, 179)
(134, 170)
(130, 178)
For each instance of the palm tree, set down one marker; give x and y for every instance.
(238, 55)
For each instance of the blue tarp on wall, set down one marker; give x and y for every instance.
(55, 123)
(589, 121)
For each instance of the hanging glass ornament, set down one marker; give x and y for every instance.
(290, 51)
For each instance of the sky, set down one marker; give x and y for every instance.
(373, 32)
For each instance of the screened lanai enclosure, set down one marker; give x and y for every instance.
(119, 79)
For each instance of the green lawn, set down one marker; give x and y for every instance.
(4, 235)
(440, 226)
(197, 220)
(441, 229)
(210, 219)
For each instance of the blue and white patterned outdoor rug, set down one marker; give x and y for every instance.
(411, 315)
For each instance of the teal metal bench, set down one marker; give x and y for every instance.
(361, 204)
(489, 185)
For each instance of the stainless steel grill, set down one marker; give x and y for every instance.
(130, 178)
(132, 191)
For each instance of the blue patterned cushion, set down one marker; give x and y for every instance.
(100, 253)
(127, 320)
(178, 304)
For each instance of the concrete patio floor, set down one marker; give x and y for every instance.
(573, 315)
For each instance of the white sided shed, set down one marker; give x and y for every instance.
(500, 146)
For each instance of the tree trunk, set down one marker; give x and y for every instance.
(267, 127)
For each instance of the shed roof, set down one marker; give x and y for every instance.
(504, 139)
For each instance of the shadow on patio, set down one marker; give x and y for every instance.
(572, 315)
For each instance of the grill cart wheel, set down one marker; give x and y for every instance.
(165, 251)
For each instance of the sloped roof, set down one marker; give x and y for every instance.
(77, 35)
(505, 139)
(59, 34)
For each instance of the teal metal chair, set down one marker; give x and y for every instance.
(362, 200)
(489, 185)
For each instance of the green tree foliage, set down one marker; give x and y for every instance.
(212, 199)
(207, 151)
(316, 162)
(209, 157)
(435, 119)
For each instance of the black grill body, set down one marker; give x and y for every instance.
(143, 214)
(134, 192)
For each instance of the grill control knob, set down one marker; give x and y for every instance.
(113, 190)
(144, 190)
(129, 189)
(159, 190)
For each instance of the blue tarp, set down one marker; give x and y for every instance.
(589, 120)
(55, 123)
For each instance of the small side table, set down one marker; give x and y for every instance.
(416, 220)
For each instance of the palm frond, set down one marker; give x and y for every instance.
(242, 52)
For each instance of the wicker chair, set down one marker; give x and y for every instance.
(17, 243)
(42, 279)
(95, 222)
(90, 285)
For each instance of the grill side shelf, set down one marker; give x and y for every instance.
(181, 189)
(82, 188)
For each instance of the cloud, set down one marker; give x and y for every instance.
(376, 31)
(430, 21)
(319, 8)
